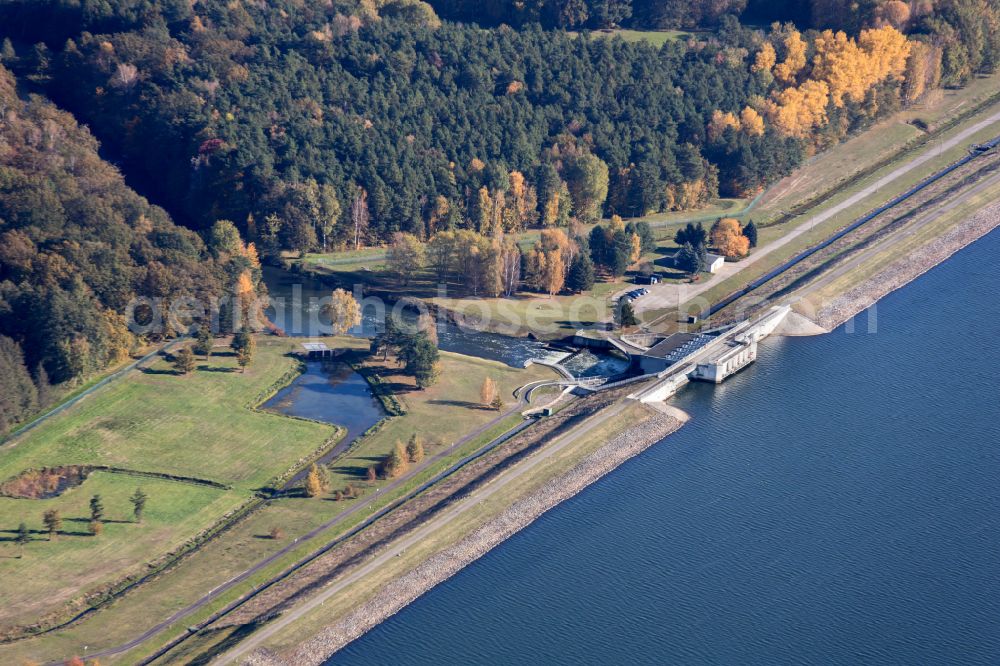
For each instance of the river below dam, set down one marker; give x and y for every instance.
(297, 310)
(838, 503)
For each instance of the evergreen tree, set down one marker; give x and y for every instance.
(184, 361)
(621, 253)
(598, 242)
(420, 358)
(625, 314)
(138, 500)
(692, 234)
(581, 273)
(689, 259)
(203, 344)
(241, 340)
(244, 356)
(750, 231)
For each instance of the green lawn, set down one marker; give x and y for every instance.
(446, 411)
(441, 415)
(52, 573)
(199, 425)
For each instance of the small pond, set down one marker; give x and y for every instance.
(332, 393)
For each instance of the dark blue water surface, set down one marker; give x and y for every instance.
(836, 503)
(333, 393)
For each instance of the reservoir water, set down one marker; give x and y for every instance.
(836, 503)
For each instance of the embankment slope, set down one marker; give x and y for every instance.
(402, 591)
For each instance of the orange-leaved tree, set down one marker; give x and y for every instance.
(728, 238)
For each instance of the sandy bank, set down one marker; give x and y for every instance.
(445, 564)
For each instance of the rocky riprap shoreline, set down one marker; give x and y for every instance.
(445, 564)
(908, 268)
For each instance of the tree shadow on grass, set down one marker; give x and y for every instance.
(360, 471)
(212, 368)
(107, 521)
(461, 403)
(153, 371)
(215, 649)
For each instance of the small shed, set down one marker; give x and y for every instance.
(713, 262)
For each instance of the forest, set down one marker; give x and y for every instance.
(316, 127)
(76, 246)
(267, 127)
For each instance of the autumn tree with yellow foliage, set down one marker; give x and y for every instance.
(794, 48)
(798, 111)
(728, 238)
(853, 67)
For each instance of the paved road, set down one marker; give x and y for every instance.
(665, 296)
(438, 522)
(215, 592)
(915, 227)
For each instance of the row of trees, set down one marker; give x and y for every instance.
(491, 267)
(53, 521)
(728, 237)
(396, 463)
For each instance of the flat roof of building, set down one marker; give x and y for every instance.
(315, 346)
(671, 343)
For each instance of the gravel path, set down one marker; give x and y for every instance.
(908, 268)
(440, 567)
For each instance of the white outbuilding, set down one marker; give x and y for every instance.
(713, 262)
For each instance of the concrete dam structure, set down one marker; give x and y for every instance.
(715, 360)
